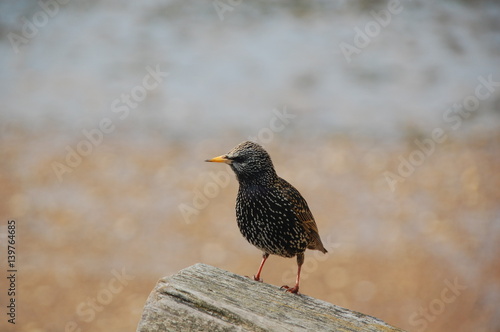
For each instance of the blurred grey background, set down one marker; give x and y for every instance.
(228, 68)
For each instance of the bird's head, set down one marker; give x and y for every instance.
(249, 161)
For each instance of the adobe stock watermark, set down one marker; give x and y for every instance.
(426, 315)
(454, 117)
(31, 27)
(372, 29)
(221, 179)
(120, 107)
(87, 310)
(223, 6)
(311, 264)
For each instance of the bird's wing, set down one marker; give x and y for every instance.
(303, 213)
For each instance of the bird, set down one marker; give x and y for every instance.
(271, 213)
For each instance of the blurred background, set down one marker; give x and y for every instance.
(385, 116)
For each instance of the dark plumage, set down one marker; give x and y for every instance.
(271, 214)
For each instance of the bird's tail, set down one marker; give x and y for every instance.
(316, 244)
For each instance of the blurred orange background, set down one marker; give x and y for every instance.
(110, 194)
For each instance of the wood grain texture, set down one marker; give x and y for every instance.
(205, 298)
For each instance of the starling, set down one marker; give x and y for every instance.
(271, 214)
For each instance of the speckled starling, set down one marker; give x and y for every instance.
(271, 214)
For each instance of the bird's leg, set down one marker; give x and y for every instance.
(295, 289)
(257, 276)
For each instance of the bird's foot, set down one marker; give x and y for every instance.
(255, 278)
(294, 290)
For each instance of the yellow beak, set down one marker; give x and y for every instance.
(220, 159)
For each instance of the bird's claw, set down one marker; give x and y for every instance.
(293, 290)
(254, 278)
(257, 279)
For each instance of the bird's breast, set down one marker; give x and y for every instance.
(267, 221)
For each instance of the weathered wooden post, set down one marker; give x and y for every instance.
(205, 298)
